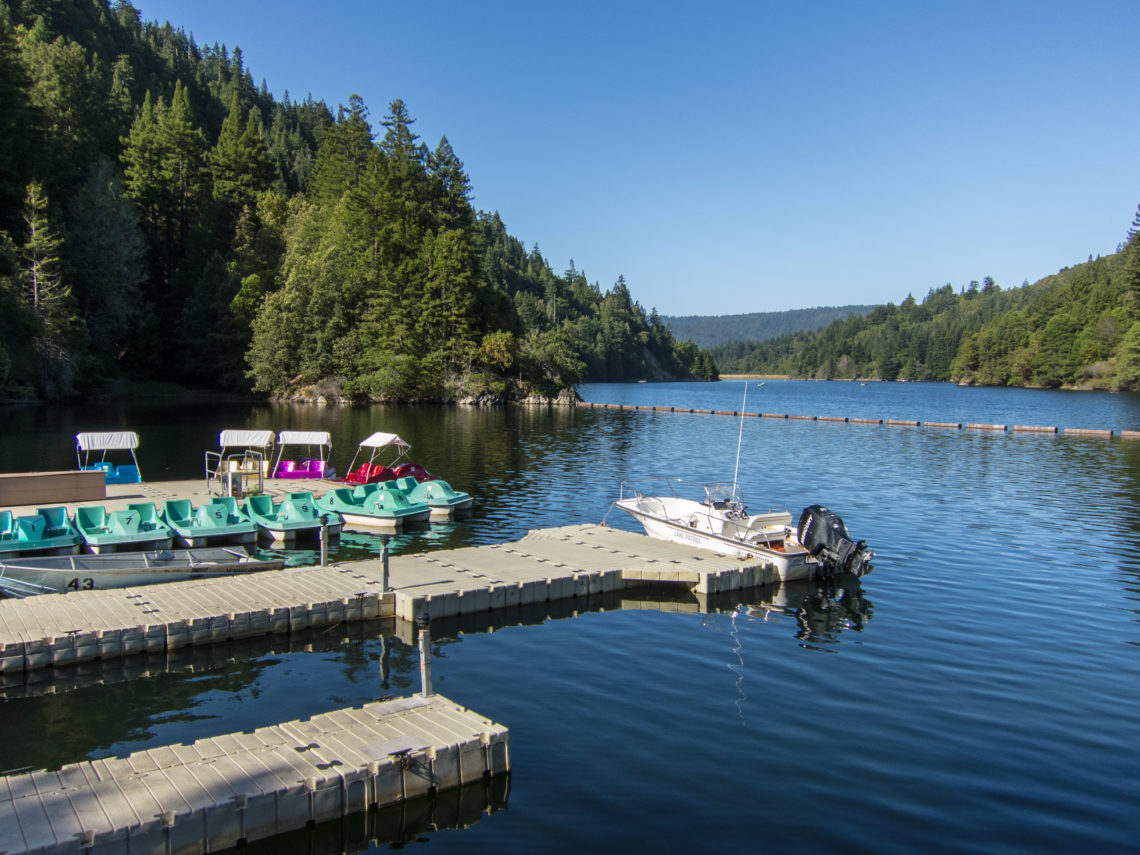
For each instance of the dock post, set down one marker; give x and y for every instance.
(423, 623)
(384, 563)
(324, 540)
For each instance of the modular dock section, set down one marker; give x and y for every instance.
(218, 792)
(545, 565)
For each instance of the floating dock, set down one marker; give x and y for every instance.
(973, 426)
(225, 790)
(219, 792)
(545, 565)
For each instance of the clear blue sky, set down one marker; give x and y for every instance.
(734, 157)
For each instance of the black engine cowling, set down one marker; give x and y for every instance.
(824, 536)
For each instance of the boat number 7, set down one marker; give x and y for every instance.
(81, 584)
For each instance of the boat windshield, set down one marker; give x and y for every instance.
(724, 494)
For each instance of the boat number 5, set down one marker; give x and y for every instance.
(81, 584)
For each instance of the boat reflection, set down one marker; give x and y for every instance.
(822, 610)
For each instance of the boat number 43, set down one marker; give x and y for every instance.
(78, 584)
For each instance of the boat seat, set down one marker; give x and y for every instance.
(313, 467)
(365, 490)
(32, 527)
(176, 510)
(56, 523)
(125, 474)
(148, 514)
(412, 470)
(260, 505)
(775, 519)
(125, 521)
(91, 518)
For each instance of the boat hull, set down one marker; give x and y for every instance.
(786, 567)
(192, 538)
(445, 511)
(61, 575)
(108, 544)
(29, 550)
(368, 521)
(291, 533)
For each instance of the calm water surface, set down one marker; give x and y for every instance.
(978, 692)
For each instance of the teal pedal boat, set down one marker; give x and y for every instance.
(438, 495)
(381, 505)
(48, 531)
(297, 515)
(217, 521)
(138, 526)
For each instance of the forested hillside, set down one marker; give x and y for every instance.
(715, 330)
(1079, 328)
(161, 216)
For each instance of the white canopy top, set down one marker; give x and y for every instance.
(245, 438)
(106, 441)
(379, 440)
(304, 437)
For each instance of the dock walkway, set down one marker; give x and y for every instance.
(544, 566)
(216, 792)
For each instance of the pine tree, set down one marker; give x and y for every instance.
(182, 167)
(19, 126)
(142, 160)
(49, 295)
(108, 260)
(66, 90)
(343, 154)
(239, 163)
(452, 188)
(40, 253)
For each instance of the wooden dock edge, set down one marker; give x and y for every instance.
(223, 791)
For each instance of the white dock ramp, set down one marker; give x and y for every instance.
(217, 792)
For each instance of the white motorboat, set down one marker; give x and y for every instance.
(674, 509)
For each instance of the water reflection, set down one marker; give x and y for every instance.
(821, 610)
(394, 826)
(113, 707)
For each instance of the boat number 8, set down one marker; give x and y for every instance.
(81, 584)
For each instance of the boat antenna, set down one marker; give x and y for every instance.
(736, 470)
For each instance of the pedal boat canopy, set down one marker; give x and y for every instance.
(88, 445)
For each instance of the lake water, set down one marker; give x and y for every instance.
(979, 692)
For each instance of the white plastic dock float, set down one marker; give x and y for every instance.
(544, 566)
(217, 792)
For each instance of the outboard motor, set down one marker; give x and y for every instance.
(824, 536)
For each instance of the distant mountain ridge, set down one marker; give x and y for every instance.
(715, 330)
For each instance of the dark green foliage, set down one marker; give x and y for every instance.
(160, 215)
(1076, 328)
(717, 330)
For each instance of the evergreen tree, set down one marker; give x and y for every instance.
(66, 91)
(182, 167)
(19, 126)
(343, 154)
(452, 188)
(60, 335)
(239, 163)
(108, 260)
